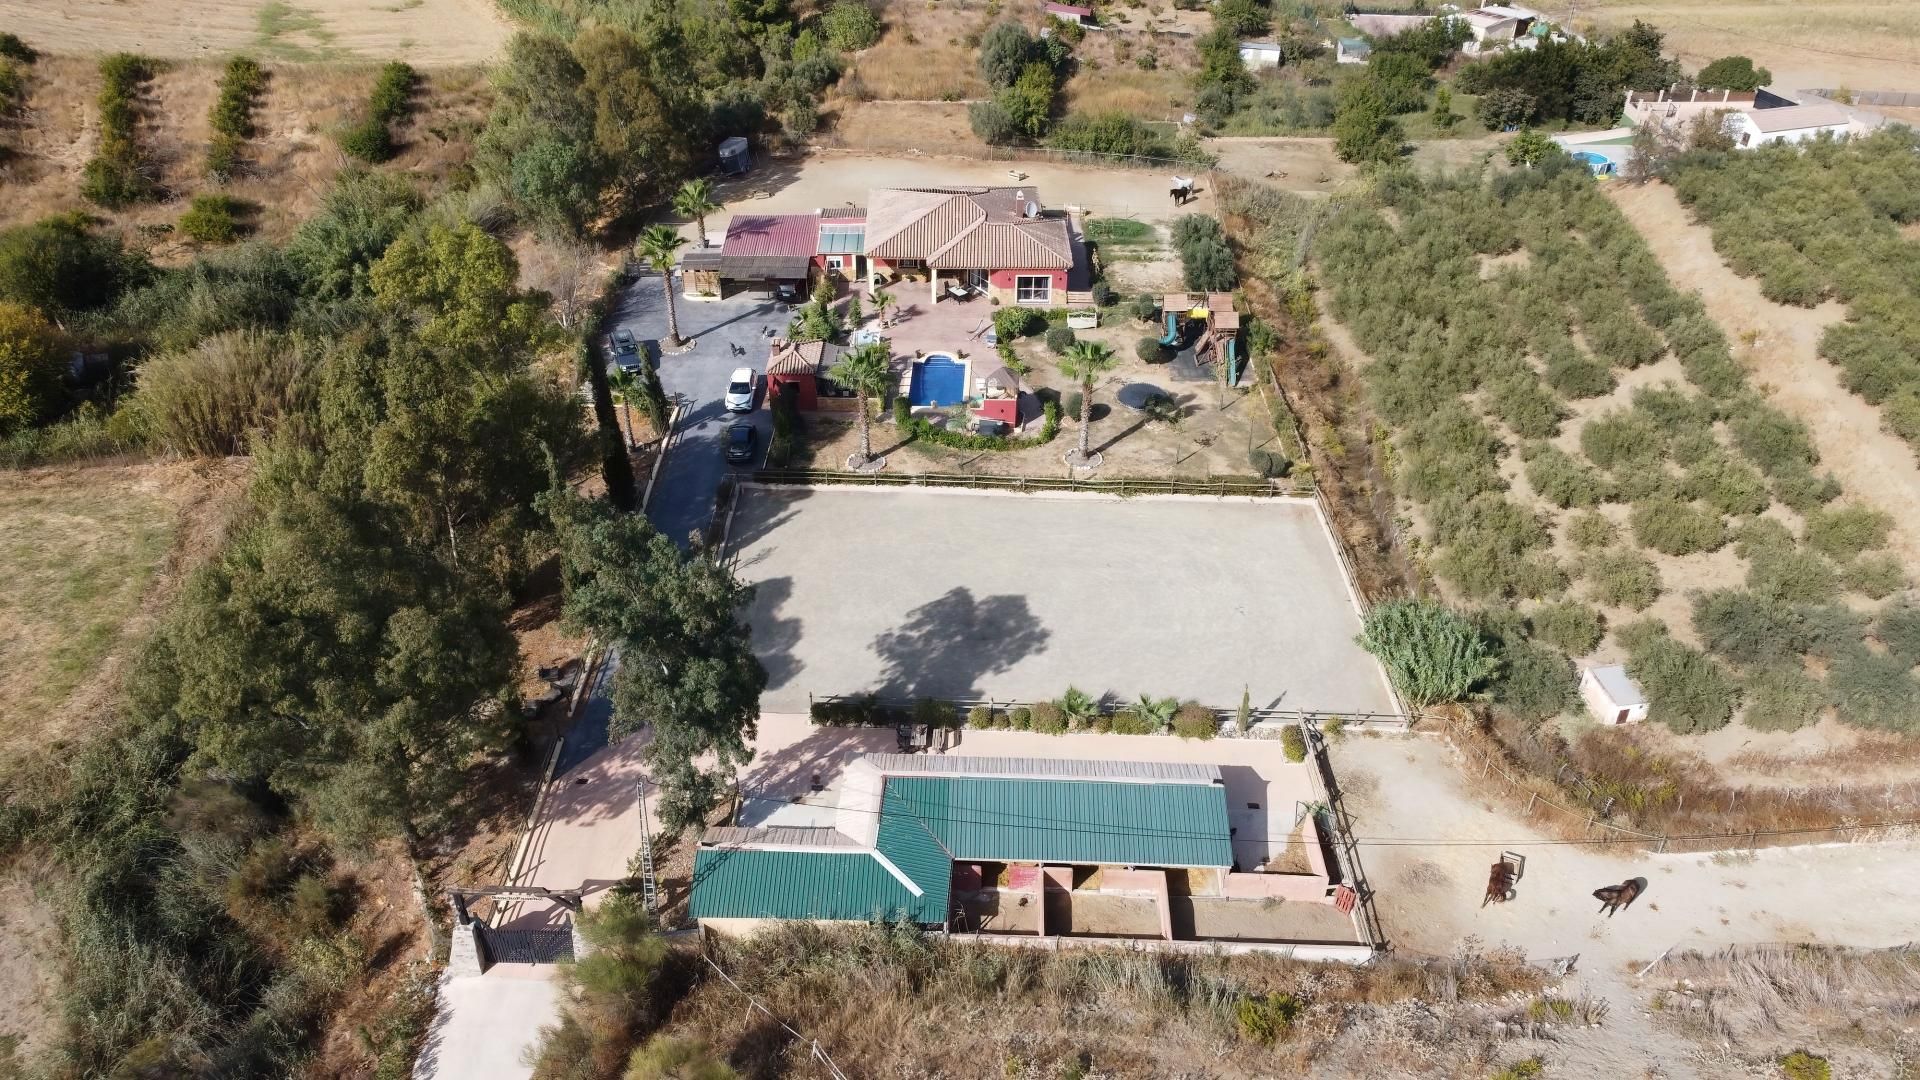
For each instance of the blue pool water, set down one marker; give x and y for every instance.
(937, 380)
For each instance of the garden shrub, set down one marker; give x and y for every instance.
(1685, 689)
(1048, 718)
(1145, 308)
(1576, 375)
(980, 716)
(1623, 579)
(1060, 338)
(923, 430)
(1591, 530)
(847, 712)
(1130, 722)
(232, 115)
(1782, 697)
(1150, 351)
(1268, 463)
(1195, 721)
(1104, 295)
(1529, 410)
(1794, 575)
(1206, 260)
(370, 139)
(1071, 403)
(212, 219)
(850, 26)
(1561, 479)
(1267, 1018)
(1672, 527)
(1622, 438)
(1534, 682)
(1748, 627)
(1570, 626)
(1876, 691)
(1874, 576)
(1020, 719)
(1433, 655)
(1848, 531)
(116, 176)
(1017, 322)
(1727, 484)
(1773, 440)
(1293, 743)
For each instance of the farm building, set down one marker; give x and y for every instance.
(1386, 26)
(1026, 847)
(1611, 696)
(1792, 124)
(1260, 54)
(1498, 24)
(1073, 13)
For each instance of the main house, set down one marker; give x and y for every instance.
(999, 242)
(1023, 847)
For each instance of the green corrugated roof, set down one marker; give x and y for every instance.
(1069, 821)
(927, 823)
(771, 884)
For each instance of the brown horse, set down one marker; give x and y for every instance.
(1614, 897)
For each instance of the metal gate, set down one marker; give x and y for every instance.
(525, 946)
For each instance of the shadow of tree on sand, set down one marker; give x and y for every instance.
(948, 645)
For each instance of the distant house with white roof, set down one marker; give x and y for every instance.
(1611, 696)
(1498, 24)
(1260, 54)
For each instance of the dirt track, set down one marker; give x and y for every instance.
(426, 32)
(1783, 354)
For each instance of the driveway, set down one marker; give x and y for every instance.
(959, 594)
(682, 499)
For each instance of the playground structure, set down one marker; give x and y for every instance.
(1211, 316)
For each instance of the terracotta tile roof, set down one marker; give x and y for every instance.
(771, 234)
(966, 229)
(800, 358)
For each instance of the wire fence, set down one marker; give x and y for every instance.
(1354, 873)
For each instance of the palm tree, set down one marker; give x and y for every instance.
(625, 386)
(1086, 361)
(1081, 708)
(695, 200)
(866, 371)
(1157, 712)
(658, 245)
(881, 302)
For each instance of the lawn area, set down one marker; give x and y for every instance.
(80, 548)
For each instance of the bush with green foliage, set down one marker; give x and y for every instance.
(1048, 718)
(1685, 689)
(1623, 579)
(1013, 322)
(850, 25)
(1150, 351)
(1206, 259)
(1847, 531)
(1266, 1018)
(1293, 743)
(1672, 527)
(33, 358)
(1570, 626)
(232, 115)
(1060, 338)
(118, 174)
(1733, 73)
(1432, 654)
(1560, 478)
(1535, 683)
(1874, 691)
(1782, 697)
(1749, 627)
(370, 138)
(1195, 721)
(212, 219)
(1591, 530)
(1794, 575)
(1268, 464)
(1874, 576)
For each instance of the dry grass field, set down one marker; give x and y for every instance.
(425, 32)
(1862, 44)
(87, 555)
(292, 160)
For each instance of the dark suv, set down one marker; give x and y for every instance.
(740, 441)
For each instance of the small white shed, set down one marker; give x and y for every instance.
(1611, 696)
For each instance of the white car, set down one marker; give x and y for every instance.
(740, 387)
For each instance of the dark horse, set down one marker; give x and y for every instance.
(1614, 897)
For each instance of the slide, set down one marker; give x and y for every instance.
(1173, 329)
(1233, 362)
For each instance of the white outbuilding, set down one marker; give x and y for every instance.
(1611, 696)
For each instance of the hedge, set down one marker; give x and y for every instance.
(232, 115)
(921, 428)
(371, 137)
(116, 175)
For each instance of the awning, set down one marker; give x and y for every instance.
(764, 267)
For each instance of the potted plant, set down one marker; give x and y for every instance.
(1083, 319)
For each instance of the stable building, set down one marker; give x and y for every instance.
(1612, 696)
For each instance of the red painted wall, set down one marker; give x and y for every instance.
(806, 394)
(1004, 279)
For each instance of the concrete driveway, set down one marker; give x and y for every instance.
(960, 594)
(682, 500)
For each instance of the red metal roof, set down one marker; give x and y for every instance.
(771, 234)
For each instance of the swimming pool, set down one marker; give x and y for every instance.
(937, 380)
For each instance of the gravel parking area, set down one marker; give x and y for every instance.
(960, 594)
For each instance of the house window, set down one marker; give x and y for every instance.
(836, 263)
(910, 264)
(1033, 288)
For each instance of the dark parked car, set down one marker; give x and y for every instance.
(740, 443)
